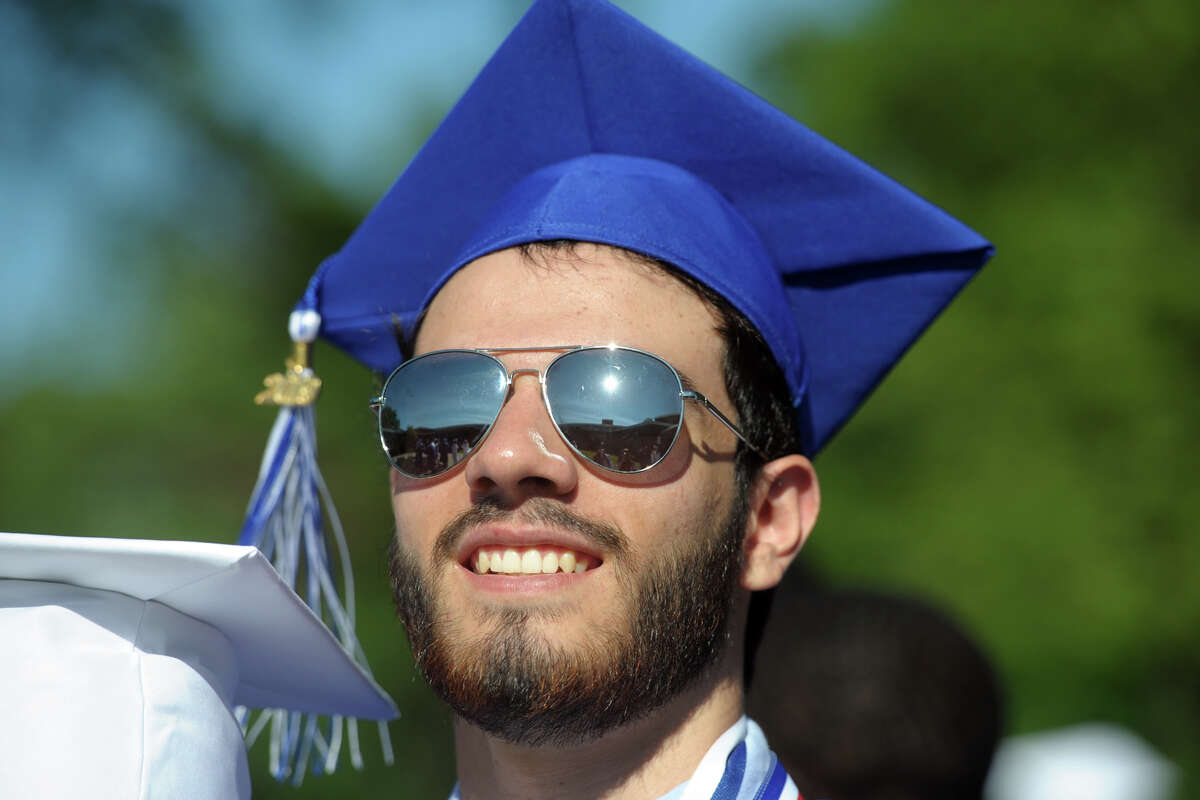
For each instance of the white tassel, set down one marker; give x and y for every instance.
(285, 519)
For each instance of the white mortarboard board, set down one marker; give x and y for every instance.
(121, 661)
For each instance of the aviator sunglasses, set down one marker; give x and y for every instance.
(618, 407)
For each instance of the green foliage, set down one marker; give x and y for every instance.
(1031, 464)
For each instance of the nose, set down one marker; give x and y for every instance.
(523, 455)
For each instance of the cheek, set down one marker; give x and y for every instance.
(663, 516)
(421, 510)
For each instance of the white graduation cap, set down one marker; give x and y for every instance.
(121, 661)
(1088, 761)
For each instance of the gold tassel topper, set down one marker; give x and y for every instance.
(297, 386)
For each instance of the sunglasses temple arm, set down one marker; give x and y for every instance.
(724, 420)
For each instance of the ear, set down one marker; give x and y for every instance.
(784, 501)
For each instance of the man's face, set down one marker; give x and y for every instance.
(539, 656)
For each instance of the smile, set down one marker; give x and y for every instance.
(529, 561)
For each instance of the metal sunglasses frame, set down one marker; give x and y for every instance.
(376, 403)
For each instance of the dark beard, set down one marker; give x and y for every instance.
(522, 688)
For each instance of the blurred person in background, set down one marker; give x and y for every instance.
(873, 696)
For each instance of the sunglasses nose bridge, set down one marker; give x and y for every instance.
(512, 375)
(516, 373)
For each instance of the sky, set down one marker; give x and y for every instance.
(334, 84)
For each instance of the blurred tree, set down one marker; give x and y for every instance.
(1033, 462)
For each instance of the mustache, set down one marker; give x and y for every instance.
(605, 536)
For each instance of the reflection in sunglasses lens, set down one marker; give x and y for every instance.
(619, 408)
(437, 408)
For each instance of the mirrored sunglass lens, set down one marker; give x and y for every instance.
(437, 408)
(619, 408)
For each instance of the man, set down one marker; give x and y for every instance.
(614, 680)
(643, 297)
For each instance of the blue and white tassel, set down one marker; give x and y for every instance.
(286, 520)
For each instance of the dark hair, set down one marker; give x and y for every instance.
(869, 696)
(753, 379)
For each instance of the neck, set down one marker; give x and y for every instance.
(645, 758)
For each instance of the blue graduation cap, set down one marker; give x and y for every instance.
(587, 125)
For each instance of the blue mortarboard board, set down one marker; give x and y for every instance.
(587, 125)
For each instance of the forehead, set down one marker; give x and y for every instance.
(590, 294)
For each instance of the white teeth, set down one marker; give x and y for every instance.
(533, 561)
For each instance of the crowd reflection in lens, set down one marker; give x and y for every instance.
(427, 451)
(621, 448)
(429, 454)
(619, 408)
(625, 448)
